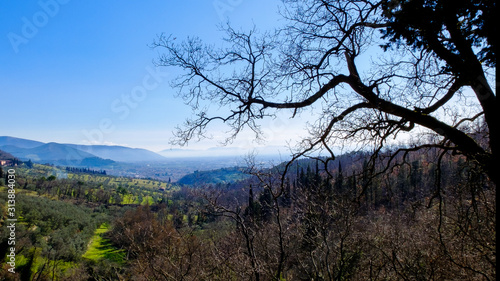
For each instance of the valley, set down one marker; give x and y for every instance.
(128, 162)
(120, 221)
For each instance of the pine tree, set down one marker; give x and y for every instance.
(266, 201)
(339, 180)
(287, 194)
(251, 205)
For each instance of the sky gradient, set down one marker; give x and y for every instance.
(82, 71)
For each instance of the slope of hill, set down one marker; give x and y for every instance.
(56, 151)
(224, 175)
(21, 143)
(6, 156)
(49, 151)
(119, 153)
(57, 154)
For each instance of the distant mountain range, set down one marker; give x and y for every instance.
(6, 156)
(65, 154)
(73, 154)
(120, 153)
(21, 143)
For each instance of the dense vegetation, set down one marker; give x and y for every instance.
(223, 175)
(365, 74)
(51, 236)
(59, 211)
(422, 219)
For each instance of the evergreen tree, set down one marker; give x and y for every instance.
(266, 201)
(339, 180)
(6, 178)
(287, 201)
(250, 209)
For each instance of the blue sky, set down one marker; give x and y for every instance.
(81, 71)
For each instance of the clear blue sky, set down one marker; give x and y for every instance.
(69, 68)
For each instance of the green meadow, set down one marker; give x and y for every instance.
(100, 248)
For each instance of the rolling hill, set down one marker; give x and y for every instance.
(57, 154)
(73, 154)
(223, 175)
(6, 156)
(21, 143)
(120, 153)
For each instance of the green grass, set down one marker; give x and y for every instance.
(101, 248)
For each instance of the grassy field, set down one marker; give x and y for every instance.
(100, 248)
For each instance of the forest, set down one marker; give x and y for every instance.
(423, 219)
(412, 198)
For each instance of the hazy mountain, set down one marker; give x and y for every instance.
(120, 153)
(6, 156)
(14, 150)
(55, 151)
(21, 143)
(57, 154)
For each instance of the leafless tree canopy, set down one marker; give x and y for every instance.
(372, 71)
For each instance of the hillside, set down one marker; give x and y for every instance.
(120, 153)
(57, 153)
(224, 175)
(18, 142)
(6, 156)
(85, 213)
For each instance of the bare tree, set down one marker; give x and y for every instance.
(431, 78)
(261, 229)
